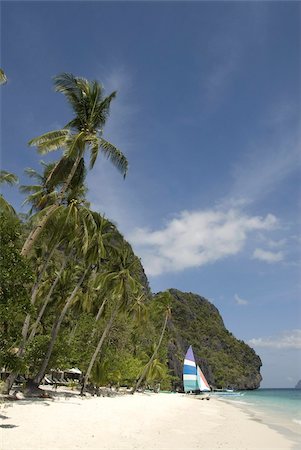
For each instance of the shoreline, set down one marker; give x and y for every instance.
(276, 421)
(142, 421)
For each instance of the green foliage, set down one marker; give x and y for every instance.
(15, 279)
(116, 368)
(35, 353)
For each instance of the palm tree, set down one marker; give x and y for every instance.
(93, 253)
(164, 301)
(3, 78)
(156, 371)
(61, 229)
(120, 282)
(83, 132)
(72, 226)
(56, 327)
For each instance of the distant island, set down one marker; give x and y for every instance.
(298, 385)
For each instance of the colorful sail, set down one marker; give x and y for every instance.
(202, 382)
(190, 372)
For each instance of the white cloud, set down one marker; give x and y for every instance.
(196, 238)
(240, 301)
(288, 339)
(193, 238)
(268, 256)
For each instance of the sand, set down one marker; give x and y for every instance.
(142, 421)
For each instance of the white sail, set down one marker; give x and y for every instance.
(202, 382)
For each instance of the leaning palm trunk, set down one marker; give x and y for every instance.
(97, 350)
(46, 301)
(37, 230)
(34, 293)
(146, 368)
(100, 311)
(55, 329)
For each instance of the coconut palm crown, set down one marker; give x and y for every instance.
(91, 111)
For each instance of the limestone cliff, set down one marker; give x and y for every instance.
(226, 361)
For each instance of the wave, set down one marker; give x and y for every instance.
(298, 421)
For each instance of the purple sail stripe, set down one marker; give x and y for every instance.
(190, 355)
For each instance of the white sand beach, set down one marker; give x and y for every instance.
(142, 421)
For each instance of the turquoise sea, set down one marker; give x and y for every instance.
(278, 408)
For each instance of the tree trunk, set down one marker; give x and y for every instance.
(34, 293)
(35, 233)
(152, 358)
(42, 310)
(97, 350)
(100, 311)
(37, 230)
(55, 329)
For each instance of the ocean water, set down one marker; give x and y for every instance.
(278, 408)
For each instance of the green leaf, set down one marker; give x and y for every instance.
(114, 155)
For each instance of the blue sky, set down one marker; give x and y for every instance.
(208, 114)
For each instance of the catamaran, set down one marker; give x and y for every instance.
(193, 378)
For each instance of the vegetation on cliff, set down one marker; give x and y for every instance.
(226, 361)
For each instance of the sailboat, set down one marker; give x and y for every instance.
(193, 378)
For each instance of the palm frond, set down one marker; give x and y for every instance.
(94, 152)
(52, 140)
(32, 173)
(30, 188)
(114, 155)
(8, 177)
(103, 109)
(51, 146)
(75, 144)
(74, 89)
(3, 78)
(6, 207)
